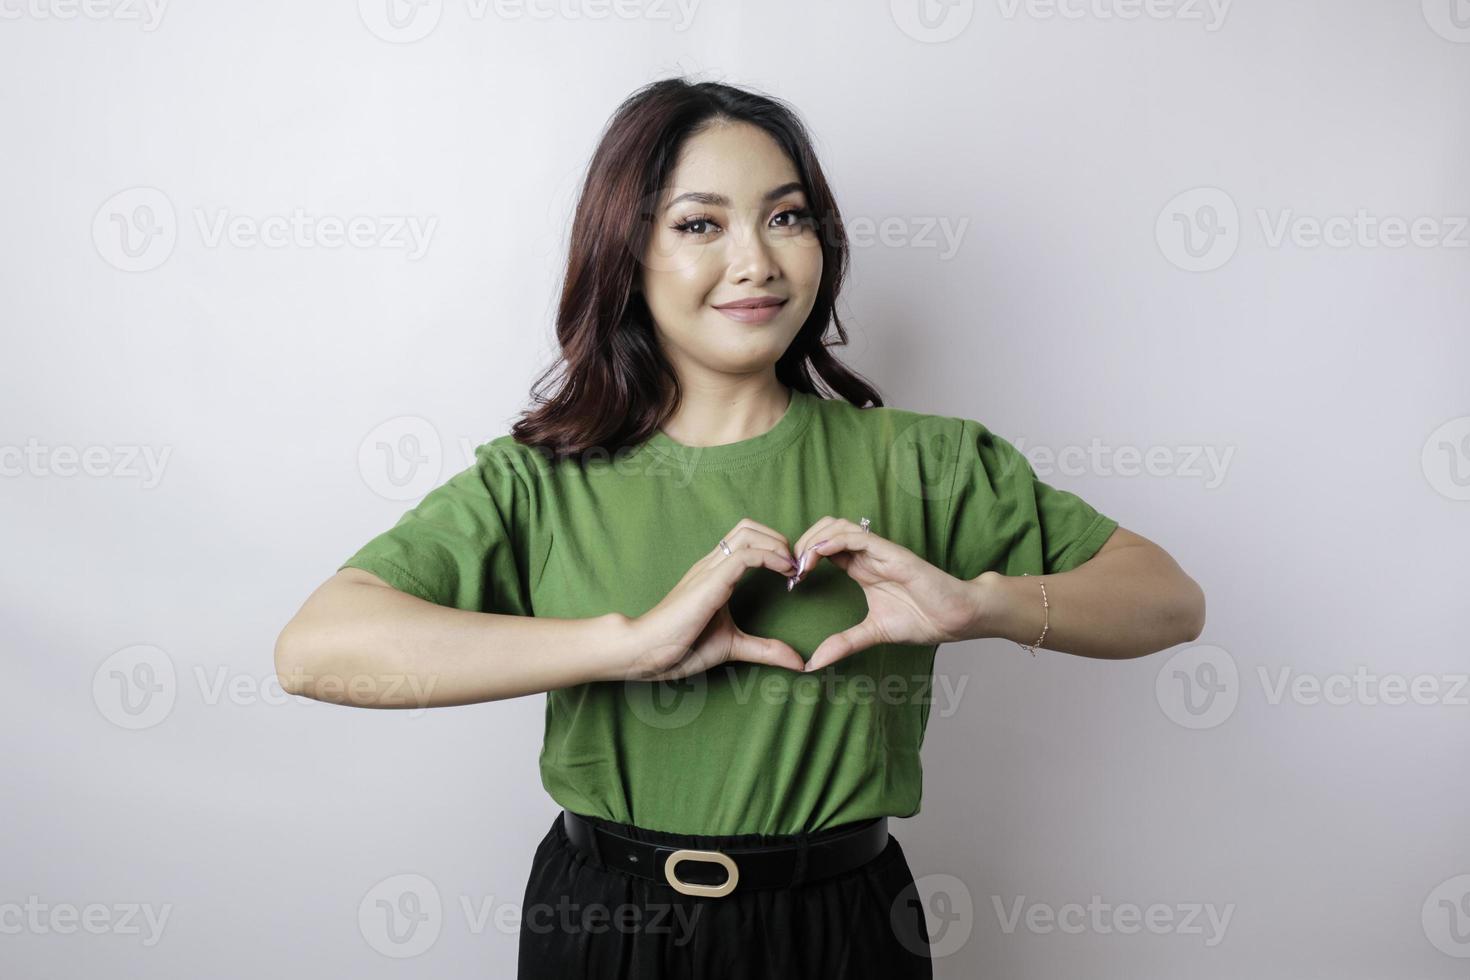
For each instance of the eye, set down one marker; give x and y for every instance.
(687, 226)
(800, 217)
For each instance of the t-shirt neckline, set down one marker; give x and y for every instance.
(777, 437)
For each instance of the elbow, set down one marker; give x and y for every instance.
(291, 665)
(1191, 612)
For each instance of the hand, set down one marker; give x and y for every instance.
(909, 600)
(691, 629)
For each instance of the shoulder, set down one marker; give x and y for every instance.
(935, 437)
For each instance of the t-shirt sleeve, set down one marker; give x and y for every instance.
(463, 544)
(1002, 517)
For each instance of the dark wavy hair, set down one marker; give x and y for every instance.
(613, 386)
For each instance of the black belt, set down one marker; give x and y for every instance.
(751, 867)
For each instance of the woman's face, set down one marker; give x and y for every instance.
(731, 225)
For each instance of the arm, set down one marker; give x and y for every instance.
(358, 641)
(1129, 600)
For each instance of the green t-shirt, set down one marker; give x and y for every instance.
(742, 748)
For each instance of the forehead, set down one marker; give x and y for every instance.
(737, 160)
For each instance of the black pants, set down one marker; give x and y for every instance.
(581, 920)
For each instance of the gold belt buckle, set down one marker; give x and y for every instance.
(691, 888)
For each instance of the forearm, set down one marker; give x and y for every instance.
(1127, 602)
(373, 646)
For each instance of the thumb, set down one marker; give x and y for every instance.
(764, 650)
(844, 644)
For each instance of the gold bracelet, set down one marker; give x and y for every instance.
(1046, 620)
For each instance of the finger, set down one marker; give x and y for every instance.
(728, 569)
(804, 557)
(816, 532)
(752, 535)
(837, 541)
(844, 644)
(765, 650)
(763, 529)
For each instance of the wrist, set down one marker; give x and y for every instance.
(1009, 607)
(616, 636)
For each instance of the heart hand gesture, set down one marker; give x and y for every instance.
(909, 600)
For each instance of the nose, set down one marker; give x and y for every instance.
(751, 258)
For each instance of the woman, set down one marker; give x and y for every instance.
(624, 535)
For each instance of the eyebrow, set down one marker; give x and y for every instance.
(721, 201)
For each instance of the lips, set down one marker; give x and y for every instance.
(752, 303)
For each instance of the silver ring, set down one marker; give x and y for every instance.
(726, 547)
(864, 523)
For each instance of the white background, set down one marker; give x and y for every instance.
(1329, 379)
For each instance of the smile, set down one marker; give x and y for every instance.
(755, 314)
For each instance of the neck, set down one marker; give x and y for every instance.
(714, 414)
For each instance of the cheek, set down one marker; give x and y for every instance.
(804, 264)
